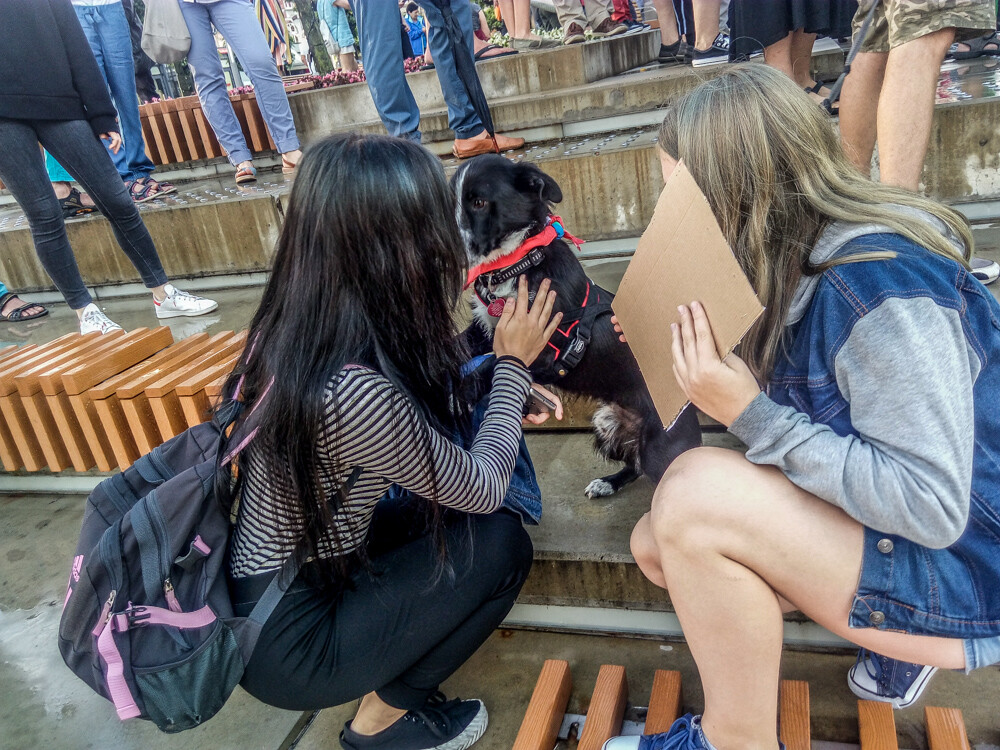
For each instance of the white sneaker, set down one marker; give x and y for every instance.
(181, 304)
(93, 320)
(987, 271)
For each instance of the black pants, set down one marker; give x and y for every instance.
(404, 628)
(75, 146)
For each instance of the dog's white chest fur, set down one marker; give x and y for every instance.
(487, 321)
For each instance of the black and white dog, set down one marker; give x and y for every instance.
(503, 209)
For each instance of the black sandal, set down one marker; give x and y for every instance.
(73, 205)
(17, 315)
(977, 47)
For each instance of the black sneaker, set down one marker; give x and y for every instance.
(717, 53)
(671, 54)
(635, 27)
(450, 725)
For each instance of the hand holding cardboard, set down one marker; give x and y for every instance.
(682, 257)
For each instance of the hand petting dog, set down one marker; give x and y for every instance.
(524, 333)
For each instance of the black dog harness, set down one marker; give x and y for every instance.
(571, 339)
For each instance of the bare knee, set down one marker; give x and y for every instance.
(695, 499)
(645, 552)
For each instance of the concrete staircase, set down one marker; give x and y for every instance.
(589, 113)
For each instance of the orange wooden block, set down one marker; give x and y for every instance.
(160, 136)
(794, 715)
(877, 726)
(78, 379)
(208, 140)
(135, 404)
(607, 708)
(545, 712)
(81, 447)
(104, 398)
(31, 414)
(189, 128)
(254, 121)
(193, 393)
(162, 394)
(664, 702)
(171, 122)
(945, 729)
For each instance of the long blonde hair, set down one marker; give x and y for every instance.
(774, 173)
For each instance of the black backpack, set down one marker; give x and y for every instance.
(147, 621)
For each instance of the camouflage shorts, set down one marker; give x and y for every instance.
(899, 21)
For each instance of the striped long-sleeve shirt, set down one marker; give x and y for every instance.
(379, 429)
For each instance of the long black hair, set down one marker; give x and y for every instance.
(368, 270)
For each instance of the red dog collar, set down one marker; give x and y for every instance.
(553, 230)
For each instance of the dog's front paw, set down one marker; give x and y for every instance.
(599, 488)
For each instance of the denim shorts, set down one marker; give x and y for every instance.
(948, 592)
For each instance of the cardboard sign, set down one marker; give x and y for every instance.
(682, 257)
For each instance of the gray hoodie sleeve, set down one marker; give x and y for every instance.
(907, 372)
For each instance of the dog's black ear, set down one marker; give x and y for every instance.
(531, 178)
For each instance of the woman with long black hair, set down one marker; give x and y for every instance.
(354, 363)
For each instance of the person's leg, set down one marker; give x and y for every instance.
(383, 58)
(23, 172)
(706, 23)
(724, 559)
(570, 12)
(462, 117)
(116, 44)
(669, 32)
(238, 24)
(424, 620)
(859, 104)
(779, 55)
(62, 182)
(598, 11)
(522, 18)
(90, 22)
(210, 82)
(906, 107)
(801, 58)
(74, 145)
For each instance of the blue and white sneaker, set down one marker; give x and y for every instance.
(684, 734)
(878, 678)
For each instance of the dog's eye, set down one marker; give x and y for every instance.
(478, 203)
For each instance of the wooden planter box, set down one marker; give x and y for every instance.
(176, 130)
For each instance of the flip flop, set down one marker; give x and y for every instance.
(287, 167)
(246, 174)
(481, 55)
(17, 315)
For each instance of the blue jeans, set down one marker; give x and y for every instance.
(379, 27)
(238, 24)
(74, 144)
(106, 28)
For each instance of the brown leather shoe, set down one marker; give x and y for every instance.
(574, 34)
(465, 148)
(608, 27)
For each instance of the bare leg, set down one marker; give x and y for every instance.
(62, 191)
(706, 23)
(348, 61)
(522, 19)
(779, 55)
(859, 106)
(906, 107)
(801, 58)
(668, 21)
(725, 560)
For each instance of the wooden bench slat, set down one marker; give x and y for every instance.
(607, 708)
(78, 379)
(28, 379)
(945, 729)
(794, 715)
(664, 701)
(139, 384)
(195, 398)
(110, 386)
(877, 726)
(540, 728)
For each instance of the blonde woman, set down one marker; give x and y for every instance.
(869, 496)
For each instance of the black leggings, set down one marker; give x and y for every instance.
(399, 632)
(84, 156)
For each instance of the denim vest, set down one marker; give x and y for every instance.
(904, 586)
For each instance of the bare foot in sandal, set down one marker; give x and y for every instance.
(63, 190)
(290, 160)
(15, 310)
